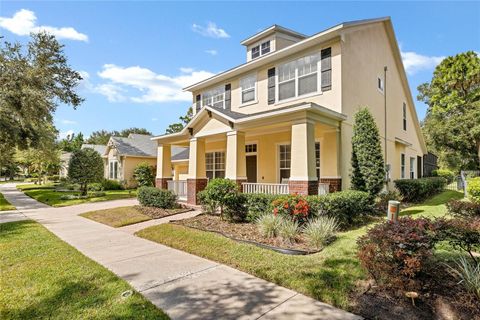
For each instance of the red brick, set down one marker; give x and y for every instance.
(194, 186)
(161, 183)
(335, 184)
(303, 187)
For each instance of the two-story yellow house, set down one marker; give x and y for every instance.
(282, 121)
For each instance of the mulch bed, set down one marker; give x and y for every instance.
(439, 298)
(157, 213)
(242, 231)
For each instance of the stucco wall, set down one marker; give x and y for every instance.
(365, 52)
(129, 165)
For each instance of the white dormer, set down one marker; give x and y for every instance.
(269, 40)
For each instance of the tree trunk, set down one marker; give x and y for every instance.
(84, 189)
(478, 149)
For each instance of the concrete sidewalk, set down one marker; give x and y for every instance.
(183, 285)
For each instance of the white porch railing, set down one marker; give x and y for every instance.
(266, 188)
(178, 187)
(323, 188)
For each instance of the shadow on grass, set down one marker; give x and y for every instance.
(10, 230)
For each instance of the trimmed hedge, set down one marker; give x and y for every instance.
(346, 206)
(415, 190)
(444, 173)
(473, 188)
(111, 185)
(159, 198)
(258, 204)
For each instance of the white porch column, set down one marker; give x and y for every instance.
(164, 166)
(236, 166)
(303, 176)
(197, 177)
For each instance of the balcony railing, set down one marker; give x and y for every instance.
(323, 188)
(178, 187)
(266, 188)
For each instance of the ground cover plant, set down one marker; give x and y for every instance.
(36, 286)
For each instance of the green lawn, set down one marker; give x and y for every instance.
(4, 204)
(328, 276)
(117, 217)
(45, 278)
(47, 194)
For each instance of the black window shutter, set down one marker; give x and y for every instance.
(198, 102)
(326, 69)
(271, 86)
(228, 96)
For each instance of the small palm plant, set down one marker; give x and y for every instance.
(469, 274)
(320, 230)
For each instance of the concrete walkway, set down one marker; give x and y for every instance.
(183, 285)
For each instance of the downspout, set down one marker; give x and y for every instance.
(387, 167)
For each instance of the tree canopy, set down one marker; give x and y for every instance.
(178, 126)
(71, 142)
(452, 123)
(85, 166)
(368, 168)
(102, 136)
(34, 79)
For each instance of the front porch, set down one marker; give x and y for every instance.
(298, 153)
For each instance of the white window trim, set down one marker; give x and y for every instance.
(215, 170)
(403, 169)
(112, 173)
(296, 97)
(222, 87)
(259, 45)
(254, 101)
(412, 168)
(381, 90)
(278, 158)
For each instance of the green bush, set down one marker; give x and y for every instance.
(268, 225)
(85, 166)
(95, 194)
(159, 198)
(468, 273)
(54, 178)
(258, 204)
(383, 198)
(346, 206)
(288, 230)
(95, 187)
(444, 173)
(219, 193)
(144, 175)
(463, 208)
(111, 185)
(320, 231)
(415, 190)
(235, 208)
(473, 188)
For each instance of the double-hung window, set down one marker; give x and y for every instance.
(265, 47)
(299, 77)
(286, 80)
(214, 98)
(285, 159)
(113, 169)
(215, 164)
(412, 168)
(402, 166)
(248, 88)
(255, 52)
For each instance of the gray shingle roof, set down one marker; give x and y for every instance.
(136, 145)
(182, 155)
(97, 147)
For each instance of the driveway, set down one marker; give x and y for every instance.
(183, 285)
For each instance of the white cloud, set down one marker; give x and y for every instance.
(212, 52)
(148, 85)
(65, 134)
(24, 22)
(211, 30)
(154, 119)
(414, 62)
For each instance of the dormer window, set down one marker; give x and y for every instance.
(261, 49)
(265, 47)
(255, 52)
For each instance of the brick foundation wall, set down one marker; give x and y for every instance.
(194, 186)
(161, 183)
(335, 184)
(239, 183)
(303, 187)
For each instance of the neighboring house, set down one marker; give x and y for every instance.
(65, 157)
(282, 121)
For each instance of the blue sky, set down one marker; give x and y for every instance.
(136, 56)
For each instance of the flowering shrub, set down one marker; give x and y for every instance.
(293, 206)
(395, 253)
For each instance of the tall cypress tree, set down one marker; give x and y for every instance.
(368, 169)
